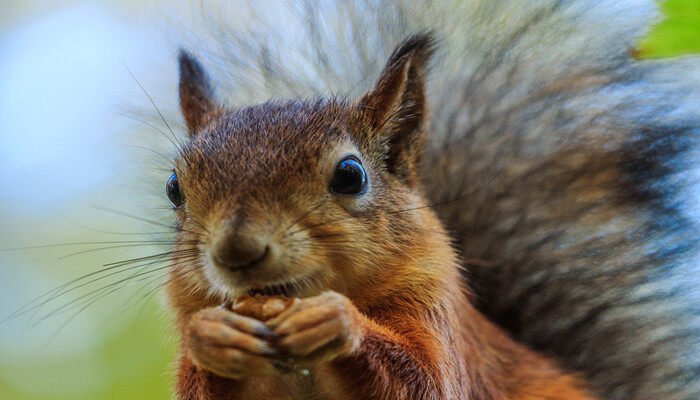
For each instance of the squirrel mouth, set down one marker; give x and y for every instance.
(287, 289)
(295, 287)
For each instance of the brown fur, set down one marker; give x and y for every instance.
(380, 284)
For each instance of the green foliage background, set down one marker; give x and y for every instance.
(677, 34)
(134, 357)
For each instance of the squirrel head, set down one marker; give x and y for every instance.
(306, 195)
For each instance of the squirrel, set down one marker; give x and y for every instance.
(499, 216)
(320, 201)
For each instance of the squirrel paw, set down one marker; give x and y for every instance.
(318, 329)
(230, 345)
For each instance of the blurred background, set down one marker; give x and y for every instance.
(71, 176)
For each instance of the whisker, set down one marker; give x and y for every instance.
(66, 287)
(155, 276)
(154, 127)
(170, 163)
(83, 309)
(136, 293)
(178, 145)
(155, 290)
(151, 280)
(46, 246)
(110, 232)
(169, 243)
(149, 277)
(125, 262)
(182, 256)
(128, 279)
(125, 214)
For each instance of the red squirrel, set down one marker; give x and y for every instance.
(320, 203)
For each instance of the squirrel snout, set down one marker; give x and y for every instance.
(239, 252)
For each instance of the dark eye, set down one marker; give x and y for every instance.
(172, 189)
(349, 177)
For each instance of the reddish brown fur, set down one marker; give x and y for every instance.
(403, 327)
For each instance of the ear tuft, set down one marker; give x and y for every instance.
(396, 108)
(419, 48)
(196, 93)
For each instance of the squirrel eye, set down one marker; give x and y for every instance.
(349, 177)
(172, 189)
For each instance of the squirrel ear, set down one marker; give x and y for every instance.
(196, 93)
(396, 108)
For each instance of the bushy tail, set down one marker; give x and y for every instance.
(570, 159)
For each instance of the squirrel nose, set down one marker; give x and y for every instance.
(239, 252)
